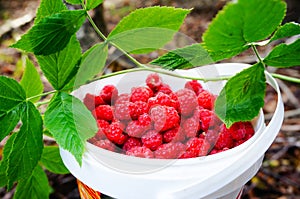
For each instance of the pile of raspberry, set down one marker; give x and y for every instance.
(153, 121)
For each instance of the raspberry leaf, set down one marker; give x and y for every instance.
(52, 161)
(48, 8)
(31, 81)
(283, 55)
(92, 63)
(286, 30)
(243, 96)
(74, 2)
(27, 145)
(91, 4)
(147, 29)
(8, 122)
(35, 187)
(70, 123)
(60, 67)
(52, 33)
(229, 35)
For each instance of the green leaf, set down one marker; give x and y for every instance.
(92, 63)
(60, 67)
(34, 187)
(3, 178)
(287, 30)
(48, 8)
(27, 145)
(284, 55)
(182, 58)
(52, 33)
(147, 29)
(243, 96)
(52, 161)
(74, 2)
(70, 123)
(31, 81)
(8, 122)
(242, 23)
(91, 4)
(11, 94)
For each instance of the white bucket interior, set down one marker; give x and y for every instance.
(214, 176)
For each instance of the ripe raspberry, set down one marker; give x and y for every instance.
(194, 85)
(212, 135)
(152, 139)
(165, 88)
(207, 119)
(140, 94)
(103, 112)
(131, 142)
(122, 107)
(105, 144)
(115, 134)
(140, 151)
(92, 101)
(194, 146)
(187, 101)
(206, 99)
(224, 140)
(135, 129)
(153, 81)
(145, 120)
(162, 99)
(109, 94)
(191, 126)
(164, 117)
(239, 130)
(103, 129)
(176, 134)
(137, 108)
(170, 150)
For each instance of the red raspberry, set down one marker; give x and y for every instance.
(187, 101)
(191, 126)
(122, 107)
(239, 130)
(212, 135)
(170, 150)
(207, 119)
(152, 139)
(103, 129)
(115, 134)
(136, 129)
(104, 112)
(174, 135)
(164, 117)
(224, 140)
(194, 146)
(140, 151)
(92, 101)
(165, 88)
(206, 99)
(137, 108)
(131, 142)
(140, 94)
(109, 94)
(162, 99)
(93, 140)
(153, 81)
(105, 144)
(194, 85)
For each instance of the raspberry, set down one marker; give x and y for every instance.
(194, 146)
(103, 129)
(239, 130)
(153, 81)
(105, 144)
(191, 125)
(187, 101)
(137, 108)
(92, 101)
(136, 129)
(170, 150)
(224, 140)
(194, 85)
(109, 94)
(115, 134)
(164, 117)
(131, 142)
(152, 139)
(140, 94)
(140, 151)
(145, 120)
(206, 100)
(93, 140)
(165, 88)
(162, 99)
(103, 112)
(122, 107)
(207, 119)
(174, 135)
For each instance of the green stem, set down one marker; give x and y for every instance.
(41, 95)
(42, 103)
(256, 53)
(165, 72)
(286, 78)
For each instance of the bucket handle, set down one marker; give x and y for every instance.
(274, 125)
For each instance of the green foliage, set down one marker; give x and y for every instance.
(147, 29)
(31, 82)
(70, 123)
(74, 2)
(91, 4)
(48, 8)
(286, 30)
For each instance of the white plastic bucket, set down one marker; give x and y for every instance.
(222, 175)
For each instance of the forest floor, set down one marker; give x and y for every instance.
(279, 175)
